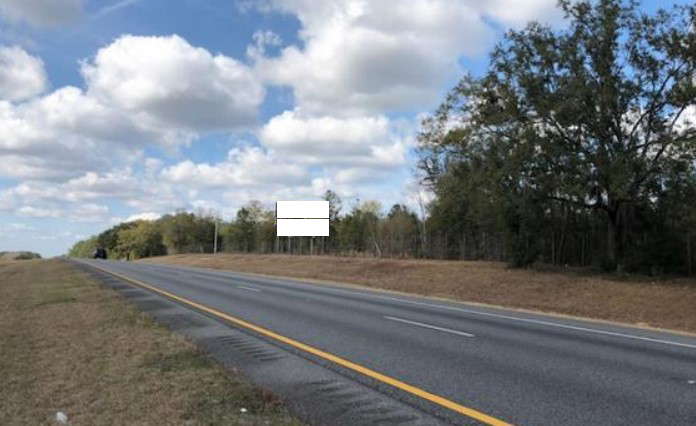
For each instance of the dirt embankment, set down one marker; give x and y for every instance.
(669, 304)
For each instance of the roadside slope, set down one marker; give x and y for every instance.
(665, 304)
(70, 345)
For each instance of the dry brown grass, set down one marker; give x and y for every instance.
(665, 304)
(70, 345)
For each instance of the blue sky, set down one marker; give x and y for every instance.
(118, 109)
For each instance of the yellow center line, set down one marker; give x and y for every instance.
(444, 402)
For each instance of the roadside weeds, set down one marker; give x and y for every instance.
(68, 344)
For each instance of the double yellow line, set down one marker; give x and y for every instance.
(436, 399)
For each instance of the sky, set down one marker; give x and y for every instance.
(114, 110)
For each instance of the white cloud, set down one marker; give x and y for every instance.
(141, 91)
(43, 13)
(356, 175)
(19, 227)
(155, 188)
(358, 61)
(360, 57)
(67, 114)
(262, 39)
(325, 140)
(686, 120)
(244, 167)
(30, 211)
(153, 165)
(89, 212)
(164, 81)
(117, 184)
(22, 75)
(149, 216)
(142, 192)
(66, 133)
(84, 199)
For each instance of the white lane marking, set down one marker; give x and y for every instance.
(507, 317)
(249, 288)
(528, 320)
(433, 327)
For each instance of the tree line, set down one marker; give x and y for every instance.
(576, 147)
(362, 231)
(18, 255)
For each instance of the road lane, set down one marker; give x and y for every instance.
(428, 326)
(522, 368)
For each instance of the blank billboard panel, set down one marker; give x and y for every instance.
(302, 209)
(303, 227)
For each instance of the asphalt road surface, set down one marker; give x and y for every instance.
(501, 365)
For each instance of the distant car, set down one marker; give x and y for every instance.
(100, 253)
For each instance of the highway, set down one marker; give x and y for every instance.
(461, 363)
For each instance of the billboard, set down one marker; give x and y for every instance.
(302, 218)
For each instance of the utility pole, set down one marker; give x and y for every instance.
(216, 237)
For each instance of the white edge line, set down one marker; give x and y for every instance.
(249, 288)
(540, 322)
(527, 320)
(420, 324)
(501, 316)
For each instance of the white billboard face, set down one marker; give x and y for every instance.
(302, 209)
(302, 218)
(303, 227)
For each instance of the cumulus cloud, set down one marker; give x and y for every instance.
(66, 114)
(367, 57)
(262, 39)
(89, 212)
(36, 200)
(244, 167)
(64, 133)
(140, 92)
(117, 184)
(121, 184)
(86, 198)
(22, 75)
(43, 13)
(149, 216)
(30, 211)
(164, 81)
(359, 60)
(367, 140)
(155, 188)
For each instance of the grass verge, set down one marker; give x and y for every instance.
(70, 345)
(667, 304)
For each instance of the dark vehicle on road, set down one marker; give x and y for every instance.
(99, 253)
